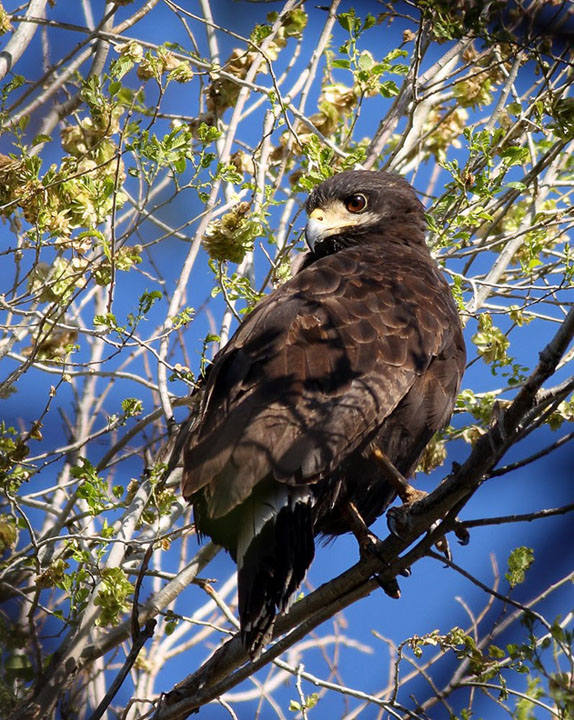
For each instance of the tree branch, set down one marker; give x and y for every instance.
(21, 38)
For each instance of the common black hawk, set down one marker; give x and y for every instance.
(357, 358)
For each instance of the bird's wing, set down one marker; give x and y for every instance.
(316, 369)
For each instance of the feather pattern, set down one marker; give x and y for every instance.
(362, 347)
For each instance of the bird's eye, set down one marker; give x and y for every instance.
(356, 203)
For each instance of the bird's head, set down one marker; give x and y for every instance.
(359, 205)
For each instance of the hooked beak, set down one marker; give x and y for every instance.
(323, 223)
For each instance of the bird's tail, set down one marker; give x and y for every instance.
(274, 551)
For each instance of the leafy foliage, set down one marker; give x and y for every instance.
(519, 562)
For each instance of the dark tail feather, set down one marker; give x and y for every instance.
(272, 568)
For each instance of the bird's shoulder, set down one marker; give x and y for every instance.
(359, 291)
(363, 311)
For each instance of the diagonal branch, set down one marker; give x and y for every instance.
(21, 38)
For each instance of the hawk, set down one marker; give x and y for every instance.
(340, 375)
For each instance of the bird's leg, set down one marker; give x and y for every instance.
(369, 543)
(407, 493)
(397, 517)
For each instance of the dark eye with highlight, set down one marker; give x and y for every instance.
(356, 203)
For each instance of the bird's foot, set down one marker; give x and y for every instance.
(398, 517)
(390, 587)
(462, 534)
(398, 524)
(370, 545)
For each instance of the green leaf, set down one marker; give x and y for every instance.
(207, 133)
(496, 652)
(112, 596)
(394, 54)
(342, 63)
(519, 561)
(515, 155)
(312, 700)
(365, 61)
(347, 20)
(119, 67)
(109, 319)
(400, 69)
(388, 89)
(39, 139)
(370, 21)
(180, 165)
(148, 300)
(132, 407)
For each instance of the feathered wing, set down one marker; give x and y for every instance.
(316, 368)
(309, 377)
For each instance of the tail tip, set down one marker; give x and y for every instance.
(255, 636)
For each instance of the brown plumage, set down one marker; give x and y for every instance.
(362, 348)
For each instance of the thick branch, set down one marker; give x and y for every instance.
(21, 38)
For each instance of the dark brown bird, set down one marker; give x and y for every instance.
(359, 356)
